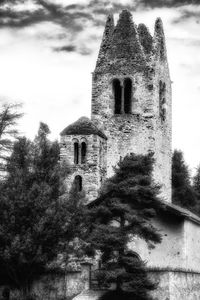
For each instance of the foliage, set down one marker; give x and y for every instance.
(9, 116)
(34, 223)
(127, 203)
(196, 187)
(183, 193)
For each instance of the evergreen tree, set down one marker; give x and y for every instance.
(127, 203)
(196, 187)
(182, 192)
(196, 181)
(9, 115)
(34, 221)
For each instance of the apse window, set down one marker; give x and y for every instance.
(78, 183)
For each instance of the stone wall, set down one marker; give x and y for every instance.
(176, 285)
(192, 245)
(57, 286)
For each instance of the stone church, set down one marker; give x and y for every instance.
(131, 112)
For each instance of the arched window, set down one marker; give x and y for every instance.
(78, 183)
(134, 255)
(76, 153)
(83, 152)
(117, 90)
(127, 95)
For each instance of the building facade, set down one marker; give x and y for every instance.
(131, 112)
(130, 108)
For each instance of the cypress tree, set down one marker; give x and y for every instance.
(196, 187)
(9, 115)
(182, 192)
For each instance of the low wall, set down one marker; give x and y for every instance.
(176, 285)
(57, 286)
(172, 285)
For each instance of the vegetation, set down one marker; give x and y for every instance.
(9, 115)
(34, 219)
(183, 193)
(127, 203)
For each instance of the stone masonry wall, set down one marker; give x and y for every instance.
(138, 132)
(163, 130)
(57, 286)
(176, 285)
(93, 171)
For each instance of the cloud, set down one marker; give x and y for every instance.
(83, 50)
(44, 11)
(76, 18)
(187, 14)
(165, 3)
(68, 48)
(73, 16)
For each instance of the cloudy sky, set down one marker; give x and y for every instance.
(48, 50)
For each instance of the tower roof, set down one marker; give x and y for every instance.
(127, 48)
(120, 48)
(83, 126)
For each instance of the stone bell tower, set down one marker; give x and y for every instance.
(131, 95)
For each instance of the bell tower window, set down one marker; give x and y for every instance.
(76, 153)
(117, 90)
(122, 96)
(83, 152)
(127, 95)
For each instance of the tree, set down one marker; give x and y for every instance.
(196, 187)
(127, 203)
(9, 116)
(196, 181)
(182, 191)
(34, 222)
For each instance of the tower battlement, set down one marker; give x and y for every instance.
(127, 47)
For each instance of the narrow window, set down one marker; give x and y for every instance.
(117, 90)
(162, 100)
(76, 153)
(78, 183)
(83, 152)
(127, 95)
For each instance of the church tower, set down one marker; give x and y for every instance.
(131, 95)
(131, 108)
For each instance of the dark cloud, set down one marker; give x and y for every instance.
(45, 11)
(73, 16)
(187, 14)
(72, 48)
(166, 3)
(68, 48)
(85, 51)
